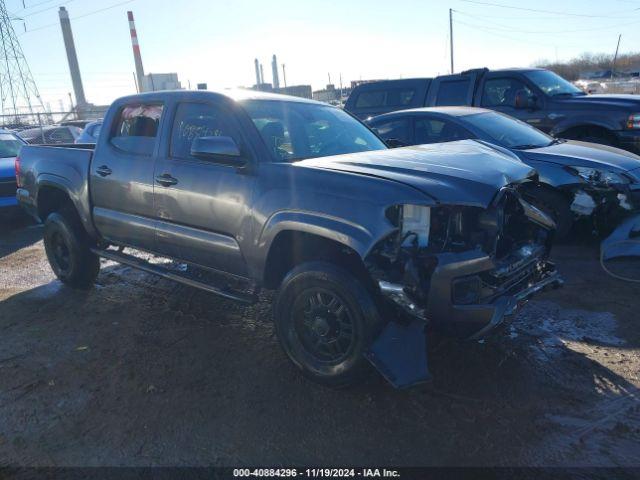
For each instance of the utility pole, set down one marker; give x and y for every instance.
(284, 75)
(615, 57)
(451, 36)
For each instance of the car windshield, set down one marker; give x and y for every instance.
(553, 84)
(9, 145)
(507, 131)
(295, 130)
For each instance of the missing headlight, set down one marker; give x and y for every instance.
(415, 225)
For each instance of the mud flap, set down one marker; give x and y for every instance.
(400, 354)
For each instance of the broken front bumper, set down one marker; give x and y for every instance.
(491, 290)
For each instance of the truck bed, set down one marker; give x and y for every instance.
(63, 165)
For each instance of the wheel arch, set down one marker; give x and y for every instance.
(592, 127)
(53, 193)
(292, 247)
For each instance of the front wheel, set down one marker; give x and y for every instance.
(325, 320)
(68, 249)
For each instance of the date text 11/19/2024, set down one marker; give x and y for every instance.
(316, 472)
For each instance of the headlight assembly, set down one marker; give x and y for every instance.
(598, 177)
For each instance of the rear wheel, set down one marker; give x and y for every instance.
(68, 249)
(325, 321)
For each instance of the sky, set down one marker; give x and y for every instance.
(216, 41)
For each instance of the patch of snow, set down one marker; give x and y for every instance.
(554, 327)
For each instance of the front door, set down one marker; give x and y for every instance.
(122, 181)
(202, 206)
(499, 93)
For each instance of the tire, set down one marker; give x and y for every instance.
(305, 314)
(68, 249)
(557, 207)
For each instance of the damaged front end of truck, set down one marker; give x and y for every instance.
(456, 270)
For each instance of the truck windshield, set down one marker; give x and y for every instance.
(552, 84)
(507, 131)
(9, 145)
(295, 130)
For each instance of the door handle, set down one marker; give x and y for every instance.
(166, 180)
(103, 171)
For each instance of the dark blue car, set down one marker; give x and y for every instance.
(578, 180)
(10, 145)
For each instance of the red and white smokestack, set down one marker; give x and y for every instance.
(136, 53)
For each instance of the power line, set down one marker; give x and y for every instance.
(30, 14)
(550, 11)
(514, 39)
(506, 28)
(80, 16)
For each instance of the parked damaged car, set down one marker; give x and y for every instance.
(579, 182)
(369, 249)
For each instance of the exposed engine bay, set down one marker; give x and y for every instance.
(461, 269)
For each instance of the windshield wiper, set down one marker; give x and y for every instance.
(568, 94)
(527, 146)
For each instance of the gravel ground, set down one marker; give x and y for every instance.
(139, 371)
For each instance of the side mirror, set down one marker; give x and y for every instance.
(222, 150)
(394, 143)
(524, 100)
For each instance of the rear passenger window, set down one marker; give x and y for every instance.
(195, 120)
(453, 92)
(439, 131)
(137, 128)
(385, 98)
(398, 129)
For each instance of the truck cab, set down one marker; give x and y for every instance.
(537, 96)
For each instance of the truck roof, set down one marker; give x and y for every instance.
(236, 94)
(451, 111)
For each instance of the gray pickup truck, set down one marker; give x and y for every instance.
(369, 249)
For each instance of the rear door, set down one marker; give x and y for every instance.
(121, 177)
(452, 90)
(202, 206)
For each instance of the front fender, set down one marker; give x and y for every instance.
(359, 238)
(569, 123)
(553, 174)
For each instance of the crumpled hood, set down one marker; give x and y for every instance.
(583, 154)
(611, 100)
(7, 168)
(464, 172)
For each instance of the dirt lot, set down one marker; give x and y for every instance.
(140, 371)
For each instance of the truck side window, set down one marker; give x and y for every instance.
(501, 92)
(385, 98)
(438, 131)
(194, 120)
(136, 128)
(397, 129)
(453, 92)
